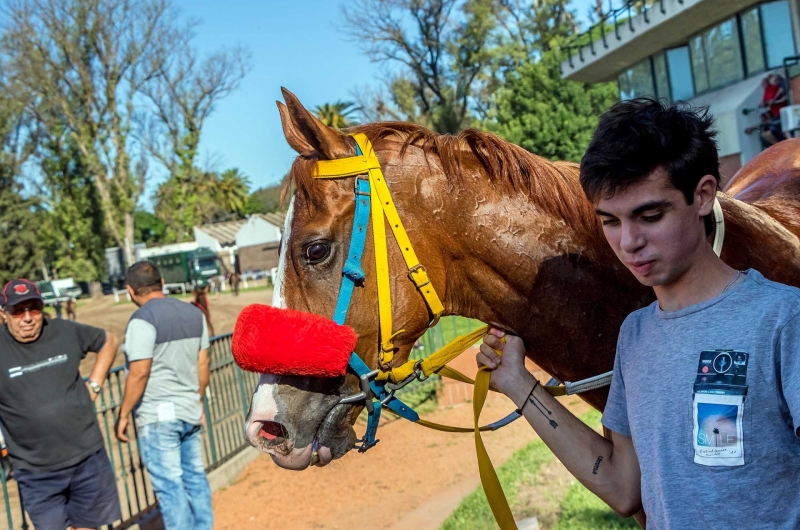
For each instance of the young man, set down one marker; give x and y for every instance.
(51, 430)
(704, 407)
(166, 346)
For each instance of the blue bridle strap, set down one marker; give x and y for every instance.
(353, 273)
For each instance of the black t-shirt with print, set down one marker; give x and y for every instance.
(45, 409)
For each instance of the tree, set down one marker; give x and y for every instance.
(149, 229)
(211, 197)
(230, 191)
(442, 55)
(85, 62)
(182, 95)
(547, 115)
(72, 232)
(19, 223)
(264, 200)
(20, 252)
(337, 114)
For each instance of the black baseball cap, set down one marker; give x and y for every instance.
(19, 290)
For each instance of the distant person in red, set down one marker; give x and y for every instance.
(201, 303)
(775, 98)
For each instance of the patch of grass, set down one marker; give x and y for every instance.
(580, 508)
(474, 513)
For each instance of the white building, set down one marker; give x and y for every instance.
(226, 238)
(711, 53)
(260, 229)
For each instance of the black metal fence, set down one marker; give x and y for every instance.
(226, 405)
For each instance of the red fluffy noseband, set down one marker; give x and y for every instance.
(268, 340)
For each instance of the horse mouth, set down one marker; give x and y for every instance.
(328, 443)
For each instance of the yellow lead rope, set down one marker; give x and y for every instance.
(491, 484)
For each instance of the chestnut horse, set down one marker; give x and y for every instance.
(507, 238)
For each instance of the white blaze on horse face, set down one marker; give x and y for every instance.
(263, 406)
(278, 299)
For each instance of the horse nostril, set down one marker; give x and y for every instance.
(271, 430)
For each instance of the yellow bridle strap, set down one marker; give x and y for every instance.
(383, 206)
(346, 167)
(386, 352)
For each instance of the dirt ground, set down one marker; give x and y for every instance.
(414, 478)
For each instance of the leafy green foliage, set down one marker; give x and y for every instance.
(185, 202)
(338, 114)
(148, 228)
(547, 115)
(72, 230)
(20, 253)
(264, 200)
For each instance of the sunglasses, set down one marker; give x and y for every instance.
(19, 312)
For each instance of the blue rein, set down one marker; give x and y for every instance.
(373, 393)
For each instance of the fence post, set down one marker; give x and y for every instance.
(5, 498)
(210, 431)
(242, 391)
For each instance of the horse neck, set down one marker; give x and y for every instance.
(550, 279)
(755, 239)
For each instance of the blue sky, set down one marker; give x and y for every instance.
(297, 44)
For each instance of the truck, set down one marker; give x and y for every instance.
(60, 290)
(187, 269)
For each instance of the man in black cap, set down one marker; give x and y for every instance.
(46, 415)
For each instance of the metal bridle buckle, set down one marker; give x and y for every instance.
(355, 185)
(415, 268)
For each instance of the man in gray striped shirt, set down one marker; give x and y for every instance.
(166, 349)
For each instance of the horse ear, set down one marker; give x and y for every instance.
(296, 140)
(306, 134)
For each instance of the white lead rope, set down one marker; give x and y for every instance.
(587, 384)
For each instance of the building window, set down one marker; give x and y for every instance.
(661, 77)
(680, 74)
(751, 39)
(637, 81)
(699, 70)
(723, 54)
(778, 39)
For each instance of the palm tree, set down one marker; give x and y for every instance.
(337, 114)
(231, 190)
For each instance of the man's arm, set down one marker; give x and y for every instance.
(135, 383)
(140, 344)
(203, 371)
(609, 468)
(105, 358)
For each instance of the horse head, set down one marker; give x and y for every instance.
(299, 420)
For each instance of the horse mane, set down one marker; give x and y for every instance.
(553, 186)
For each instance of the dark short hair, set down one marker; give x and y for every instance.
(143, 277)
(638, 136)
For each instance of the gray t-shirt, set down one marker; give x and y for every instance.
(710, 395)
(171, 333)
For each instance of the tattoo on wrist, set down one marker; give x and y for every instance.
(597, 465)
(542, 408)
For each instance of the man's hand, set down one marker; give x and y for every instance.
(120, 428)
(509, 375)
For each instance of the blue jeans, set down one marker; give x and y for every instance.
(172, 453)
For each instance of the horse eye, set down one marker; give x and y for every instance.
(317, 251)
